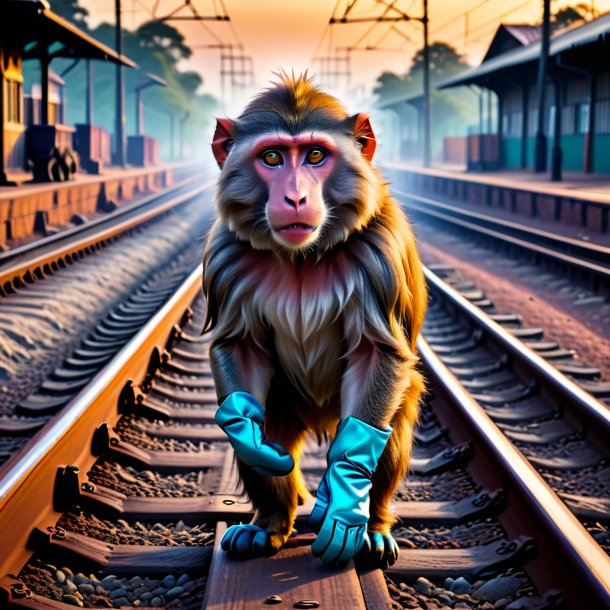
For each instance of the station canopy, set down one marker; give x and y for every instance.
(28, 24)
(566, 41)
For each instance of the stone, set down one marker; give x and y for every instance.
(121, 601)
(69, 587)
(159, 590)
(156, 601)
(497, 588)
(169, 581)
(86, 588)
(60, 577)
(423, 585)
(146, 596)
(79, 579)
(175, 592)
(118, 593)
(183, 578)
(448, 582)
(446, 597)
(72, 600)
(460, 586)
(67, 571)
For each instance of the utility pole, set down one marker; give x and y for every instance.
(384, 18)
(540, 157)
(427, 152)
(119, 125)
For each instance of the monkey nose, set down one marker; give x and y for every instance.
(295, 201)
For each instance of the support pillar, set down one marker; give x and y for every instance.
(89, 116)
(44, 84)
(540, 155)
(557, 154)
(139, 113)
(119, 131)
(524, 134)
(3, 179)
(590, 135)
(427, 97)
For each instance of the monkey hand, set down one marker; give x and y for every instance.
(241, 416)
(341, 511)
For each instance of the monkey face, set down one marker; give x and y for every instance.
(294, 168)
(296, 171)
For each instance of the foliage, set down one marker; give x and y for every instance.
(157, 48)
(569, 15)
(70, 10)
(451, 110)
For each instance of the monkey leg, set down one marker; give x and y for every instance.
(391, 469)
(276, 498)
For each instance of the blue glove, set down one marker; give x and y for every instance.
(241, 416)
(341, 510)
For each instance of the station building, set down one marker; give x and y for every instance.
(577, 98)
(33, 133)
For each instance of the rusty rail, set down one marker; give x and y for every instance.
(571, 395)
(67, 440)
(587, 559)
(31, 261)
(590, 258)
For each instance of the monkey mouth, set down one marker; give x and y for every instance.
(296, 233)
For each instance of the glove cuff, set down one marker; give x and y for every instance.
(361, 443)
(237, 405)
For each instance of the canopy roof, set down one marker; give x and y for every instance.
(28, 24)
(511, 36)
(564, 41)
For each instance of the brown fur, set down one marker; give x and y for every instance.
(323, 333)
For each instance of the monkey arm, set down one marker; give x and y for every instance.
(374, 382)
(241, 415)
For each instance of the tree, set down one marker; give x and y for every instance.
(158, 36)
(452, 110)
(569, 15)
(71, 11)
(157, 48)
(445, 61)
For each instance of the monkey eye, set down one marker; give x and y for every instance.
(315, 156)
(272, 158)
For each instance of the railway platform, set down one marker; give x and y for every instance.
(32, 210)
(577, 208)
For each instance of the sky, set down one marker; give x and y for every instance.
(290, 34)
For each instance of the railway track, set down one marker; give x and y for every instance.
(580, 259)
(122, 500)
(553, 407)
(33, 261)
(73, 300)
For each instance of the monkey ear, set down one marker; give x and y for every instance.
(224, 138)
(363, 132)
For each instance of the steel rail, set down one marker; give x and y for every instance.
(590, 250)
(35, 256)
(66, 440)
(596, 412)
(594, 251)
(585, 554)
